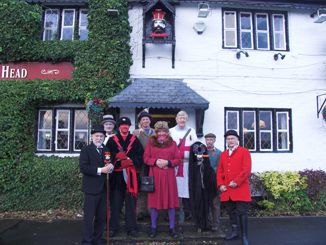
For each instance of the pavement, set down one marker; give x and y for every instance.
(262, 231)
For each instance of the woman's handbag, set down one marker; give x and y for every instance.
(147, 184)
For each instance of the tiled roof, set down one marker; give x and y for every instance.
(158, 93)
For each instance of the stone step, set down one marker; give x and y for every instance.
(187, 236)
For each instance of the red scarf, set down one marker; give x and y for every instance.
(132, 184)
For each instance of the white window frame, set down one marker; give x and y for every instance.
(278, 130)
(68, 27)
(57, 130)
(270, 131)
(79, 130)
(54, 29)
(43, 130)
(230, 29)
(246, 30)
(250, 130)
(81, 27)
(227, 119)
(262, 31)
(283, 33)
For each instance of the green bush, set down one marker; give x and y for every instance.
(287, 191)
(44, 183)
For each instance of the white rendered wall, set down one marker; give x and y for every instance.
(257, 81)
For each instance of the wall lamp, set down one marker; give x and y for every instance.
(238, 54)
(113, 12)
(279, 55)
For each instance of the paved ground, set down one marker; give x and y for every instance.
(262, 231)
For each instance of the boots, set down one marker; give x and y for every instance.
(244, 229)
(233, 234)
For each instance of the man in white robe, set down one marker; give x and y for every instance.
(184, 136)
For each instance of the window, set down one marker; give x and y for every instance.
(83, 23)
(67, 28)
(262, 30)
(68, 23)
(261, 130)
(64, 130)
(51, 20)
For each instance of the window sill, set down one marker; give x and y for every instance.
(57, 154)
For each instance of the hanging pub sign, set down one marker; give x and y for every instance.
(159, 24)
(35, 70)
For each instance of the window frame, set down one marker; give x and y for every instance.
(70, 26)
(80, 27)
(57, 24)
(271, 33)
(60, 25)
(274, 127)
(54, 130)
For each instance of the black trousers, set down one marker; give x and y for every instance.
(117, 198)
(94, 217)
(235, 209)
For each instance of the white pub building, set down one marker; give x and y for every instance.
(258, 67)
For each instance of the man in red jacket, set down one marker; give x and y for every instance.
(234, 169)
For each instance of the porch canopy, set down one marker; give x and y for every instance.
(162, 93)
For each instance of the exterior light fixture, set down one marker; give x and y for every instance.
(199, 27)
(238, 54)
(113, 12)
(279, 55)
(203, 10)
(321, 15)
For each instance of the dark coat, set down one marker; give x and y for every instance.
(89, 161)
(135, 154)
(202, 187)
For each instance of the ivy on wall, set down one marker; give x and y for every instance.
(102, 67)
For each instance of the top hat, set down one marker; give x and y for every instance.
(98, 129)
(231, 132)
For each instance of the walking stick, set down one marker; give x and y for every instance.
(108, 209)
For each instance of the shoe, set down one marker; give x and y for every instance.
(112, 233)
(132, 233)
(234, 233)
(173, 234)
(220, 233)
(153, 232)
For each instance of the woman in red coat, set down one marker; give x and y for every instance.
(162, 156)
(234, 169)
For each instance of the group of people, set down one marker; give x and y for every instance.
(191, 179)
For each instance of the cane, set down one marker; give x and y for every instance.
(108, 209)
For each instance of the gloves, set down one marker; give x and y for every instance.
(126, 163)
(121, 156)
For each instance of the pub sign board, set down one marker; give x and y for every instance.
(36, 70)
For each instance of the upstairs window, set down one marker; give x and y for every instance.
(261, 130)
(62, 130)
(61, 24)
(261, 30)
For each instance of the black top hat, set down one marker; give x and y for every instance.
(144, 113)
(123, 120)
(98, 129)
(231, 132)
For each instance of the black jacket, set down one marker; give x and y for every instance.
(89, 161)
